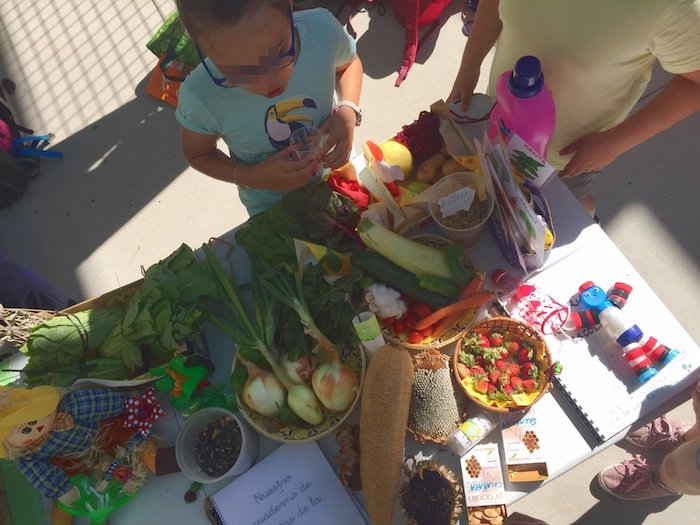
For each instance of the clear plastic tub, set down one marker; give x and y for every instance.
(466, 236)
(184, 445)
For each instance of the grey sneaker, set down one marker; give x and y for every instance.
(633, 479)
(662, 434)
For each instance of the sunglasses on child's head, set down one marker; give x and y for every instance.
(264, 67)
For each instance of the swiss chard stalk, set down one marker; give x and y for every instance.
(257, 334)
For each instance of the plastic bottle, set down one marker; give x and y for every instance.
(528, 303)
(524, 106)
(471, 432)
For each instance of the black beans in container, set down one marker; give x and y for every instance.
(217, 446)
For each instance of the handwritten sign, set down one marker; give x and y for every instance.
(456, 201)
(295, 484)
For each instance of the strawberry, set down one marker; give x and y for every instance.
(496, 339)
(528, 370)
(504, 379)
(500, 364)
(513, 347)
(516, 383)
(494, 376)
(491, 389)
(477, 372)
(513, 369)
(529, 385)
(508, 390)
(483, 341)
(524, 355)
(481, 386)
(463, 370)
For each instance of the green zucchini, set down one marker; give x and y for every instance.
(386, 272)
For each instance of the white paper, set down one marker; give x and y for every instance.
(460, 200)
(295, 484)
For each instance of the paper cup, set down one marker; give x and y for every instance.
(185, 445)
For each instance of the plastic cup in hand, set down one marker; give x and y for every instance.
(308, 142)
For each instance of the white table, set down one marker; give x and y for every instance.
(578, 239)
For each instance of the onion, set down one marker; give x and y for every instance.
(335, 385)
(298, 371)
(304, 404)
(264, 394)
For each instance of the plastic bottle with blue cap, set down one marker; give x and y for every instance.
(524, 106)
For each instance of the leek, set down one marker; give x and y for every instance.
(257, 334)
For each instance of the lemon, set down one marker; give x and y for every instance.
(396, 154)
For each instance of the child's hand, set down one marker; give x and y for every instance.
(339, 129)
(280, 171)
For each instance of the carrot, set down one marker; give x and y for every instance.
(447, 322)
(472, 301)
(386, 396)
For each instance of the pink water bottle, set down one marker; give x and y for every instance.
(524, 106)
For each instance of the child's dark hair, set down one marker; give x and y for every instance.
(200, 17)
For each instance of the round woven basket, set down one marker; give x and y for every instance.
(459, 328)
(509, 326)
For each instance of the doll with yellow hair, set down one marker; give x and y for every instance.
(53, 436)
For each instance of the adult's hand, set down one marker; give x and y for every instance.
(463, 87)
(339, 129)
(280, 171)
(592, 152)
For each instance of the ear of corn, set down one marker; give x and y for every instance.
(386, 397)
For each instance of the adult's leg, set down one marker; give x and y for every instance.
(680, 469)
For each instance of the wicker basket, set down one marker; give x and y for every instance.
(459, 328)
(509, 326)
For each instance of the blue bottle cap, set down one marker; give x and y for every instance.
(646, 375)
(629, 336)
(527, 79)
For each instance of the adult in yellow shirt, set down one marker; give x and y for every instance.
(597, 58)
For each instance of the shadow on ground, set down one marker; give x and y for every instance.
(119, 163)
(381, 47)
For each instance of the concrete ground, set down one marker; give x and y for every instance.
(123, 196)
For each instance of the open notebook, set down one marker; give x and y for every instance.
(596, 381)
(293, 484)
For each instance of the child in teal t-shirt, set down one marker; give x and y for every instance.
(266, 73)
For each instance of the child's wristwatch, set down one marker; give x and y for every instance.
(354, 107)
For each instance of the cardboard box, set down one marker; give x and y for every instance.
(482, 476)
(523, 448)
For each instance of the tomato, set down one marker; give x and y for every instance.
(428, 332)
(399, 327)
(415, 337)
(409, 321)
(387, 322)
(422, 310)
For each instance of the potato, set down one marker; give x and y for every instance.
(451, 166)
(429, 169)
